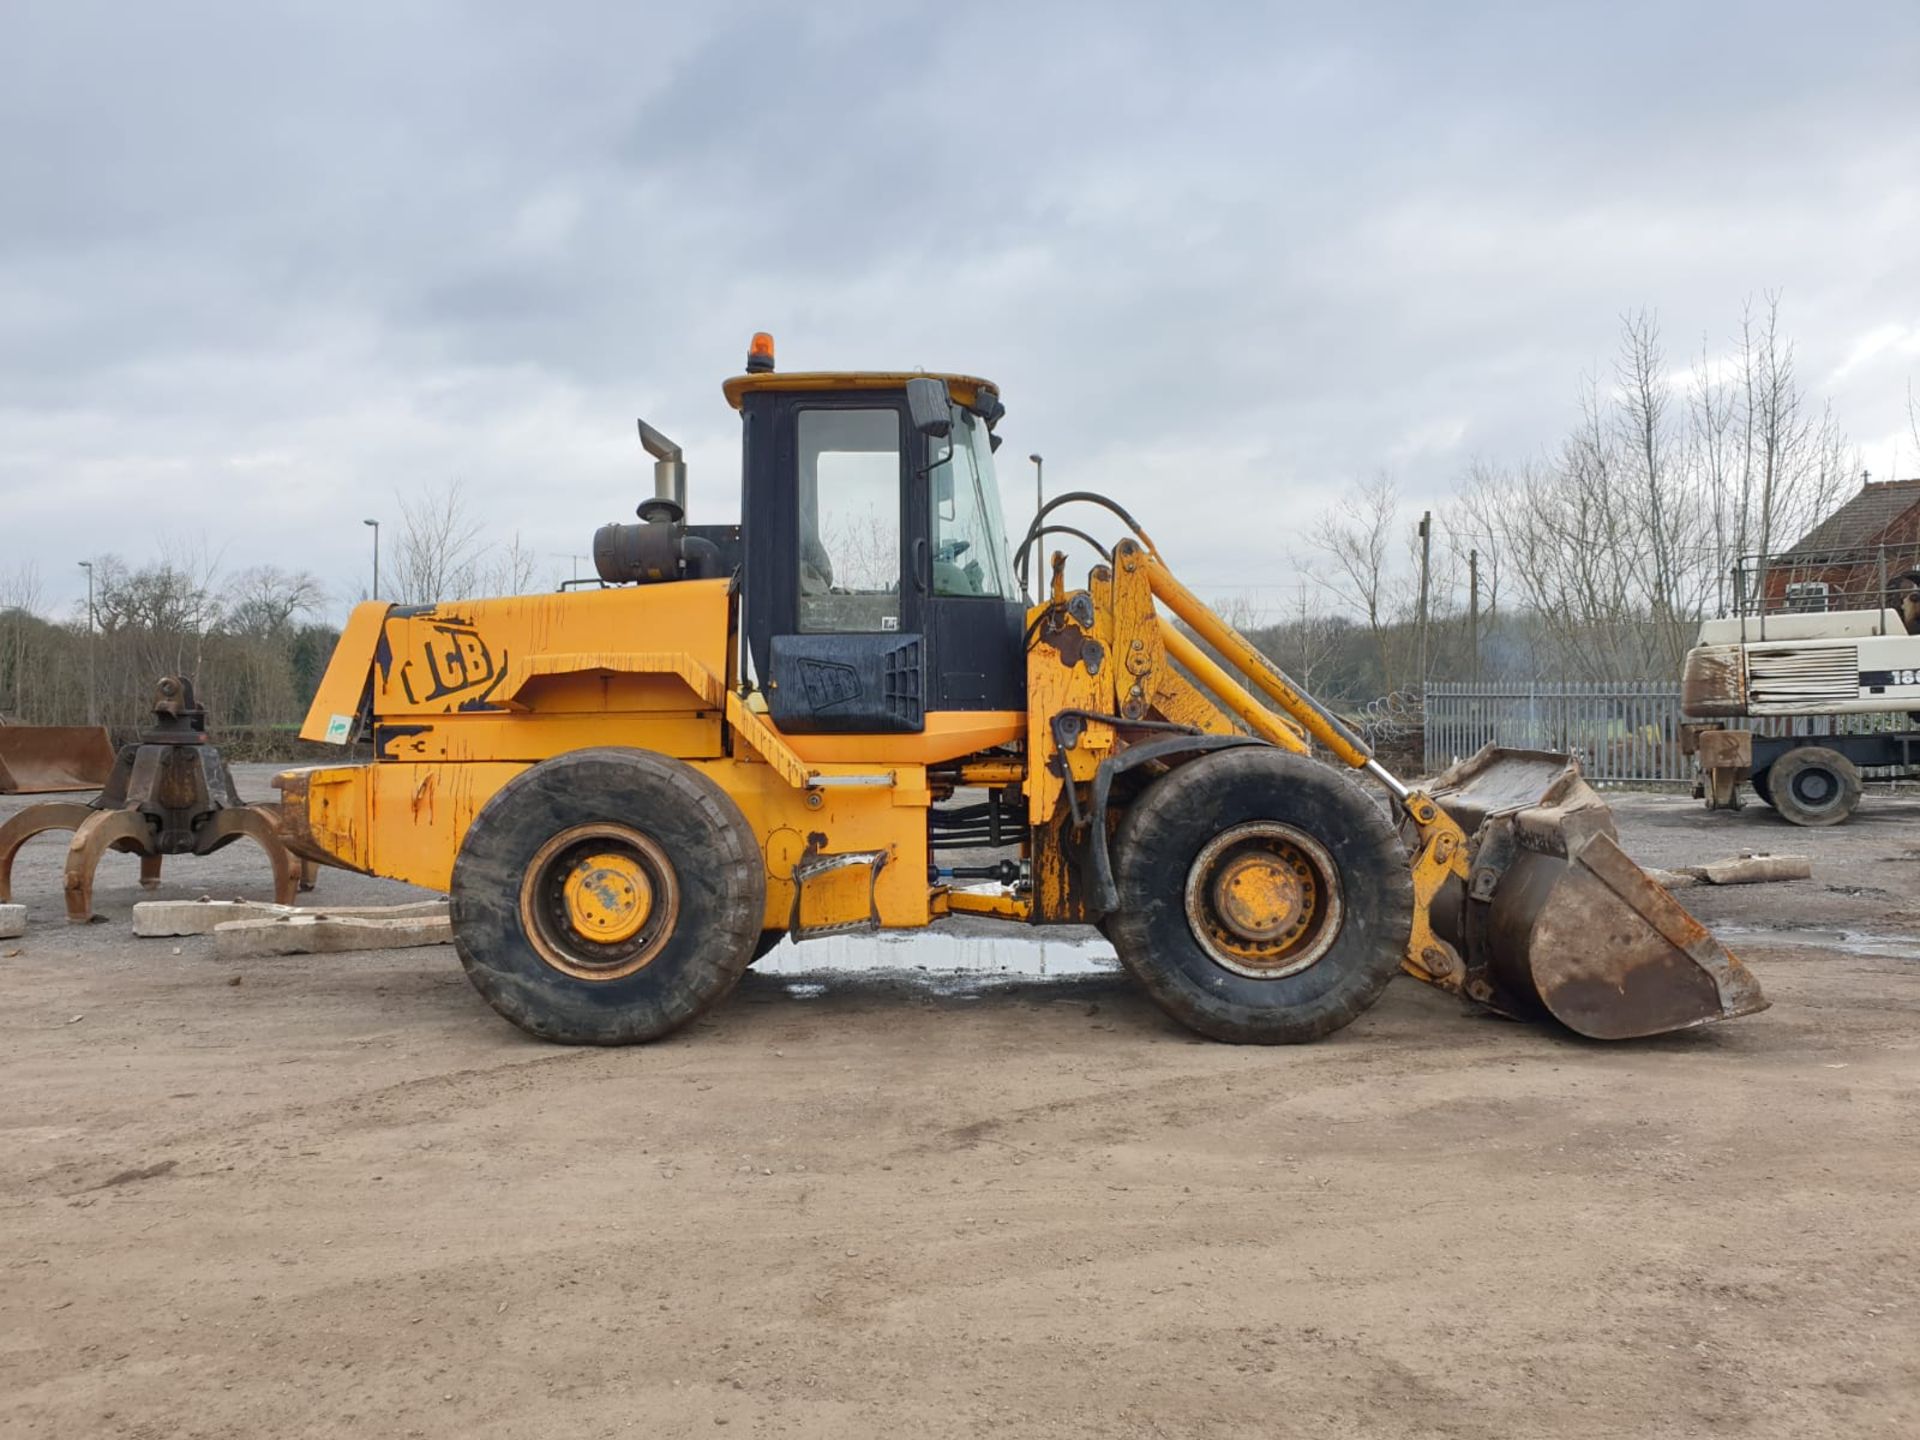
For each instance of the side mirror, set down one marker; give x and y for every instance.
(929, 407)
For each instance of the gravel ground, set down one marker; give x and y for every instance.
(337, 1196)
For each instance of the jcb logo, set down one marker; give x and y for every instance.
(447, 659)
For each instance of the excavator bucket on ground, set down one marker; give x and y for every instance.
(40, 759)
(1554, 920)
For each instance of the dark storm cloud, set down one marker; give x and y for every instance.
(1223, 258)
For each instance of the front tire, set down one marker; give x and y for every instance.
(1264, 898)
(1812, 785)
(607, 897)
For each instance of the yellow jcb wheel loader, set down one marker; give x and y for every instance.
(841, 715)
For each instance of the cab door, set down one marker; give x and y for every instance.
(972, 613)
(834, 616)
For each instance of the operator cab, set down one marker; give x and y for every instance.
(879, 585)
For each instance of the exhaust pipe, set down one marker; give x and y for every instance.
(669, 476)
(658, 548)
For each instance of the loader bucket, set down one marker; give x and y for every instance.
(36, 759)
(1556, 920)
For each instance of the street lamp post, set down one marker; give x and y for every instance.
(93, 703)
(376, 558)
(1039, 545)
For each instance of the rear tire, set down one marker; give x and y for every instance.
(607, 896)
(1813, 786)
(1264, 898)
(1762, 782)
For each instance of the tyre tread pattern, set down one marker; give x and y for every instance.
(717, 863)
(1155, 846)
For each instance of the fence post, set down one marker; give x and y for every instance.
(1473, 613)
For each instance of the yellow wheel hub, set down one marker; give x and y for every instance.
(608, 897)
(1261, 897)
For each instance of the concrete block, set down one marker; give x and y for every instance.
(1751, 869)
(328, 932)
(155, 919)
(1672, 879)
(13, 921)
(1757, 869)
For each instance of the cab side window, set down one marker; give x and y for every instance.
(969, 537)
(849, 532)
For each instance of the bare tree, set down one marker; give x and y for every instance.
(1472, 530)
(19, 626)
(510, 569)
(246, 642)
(158, 614)
(864, 549)
(1311, 638)
(264, 601)
(1641, 419)
(439, 551)
(1713, 411)
(1355, 545)
(1779, 427)
(1801, 463)
(1618, 544)
(257, 676)
(1471, 524)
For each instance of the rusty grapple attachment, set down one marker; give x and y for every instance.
(170, 793)
(1554, 919)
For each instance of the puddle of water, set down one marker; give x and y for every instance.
(945, 958)
(932, 953)
(1854, 942)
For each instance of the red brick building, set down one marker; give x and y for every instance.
(1837, 564)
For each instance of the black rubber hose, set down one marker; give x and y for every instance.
(1089, 497)
(1020, 560)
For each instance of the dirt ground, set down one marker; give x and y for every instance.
(337, 1196)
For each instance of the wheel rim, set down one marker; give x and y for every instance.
(1263, 900)
(599, 902)
(1816, 789)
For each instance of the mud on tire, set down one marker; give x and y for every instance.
(1304, 984)
(607, 896)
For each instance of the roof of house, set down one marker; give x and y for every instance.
(1864, 518)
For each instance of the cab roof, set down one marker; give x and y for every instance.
(964, 388)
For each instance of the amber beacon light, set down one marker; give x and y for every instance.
(760, 354)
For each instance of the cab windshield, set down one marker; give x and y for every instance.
(969, 537)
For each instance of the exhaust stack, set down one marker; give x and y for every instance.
(659, 547)
(669, 476)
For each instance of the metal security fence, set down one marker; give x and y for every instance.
(1625, 734)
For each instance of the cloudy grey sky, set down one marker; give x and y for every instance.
(278, 264)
